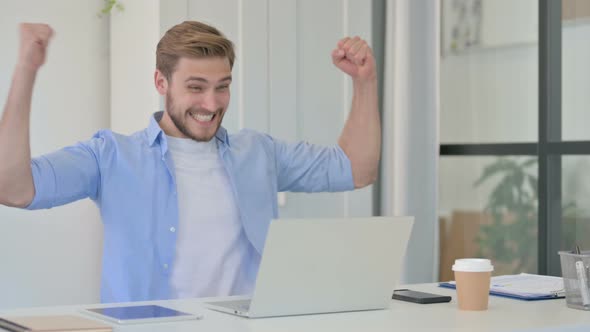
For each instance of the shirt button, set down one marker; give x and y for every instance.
(172, 229)
(165, 266)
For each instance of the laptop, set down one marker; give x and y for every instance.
(312, 266)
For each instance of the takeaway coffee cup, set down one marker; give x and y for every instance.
(472, 276)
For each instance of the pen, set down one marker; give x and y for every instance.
(583, 281)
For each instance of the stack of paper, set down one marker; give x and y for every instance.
(524, 286)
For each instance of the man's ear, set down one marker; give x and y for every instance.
(160, 82)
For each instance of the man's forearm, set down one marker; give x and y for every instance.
(16, 181)
(361, 137)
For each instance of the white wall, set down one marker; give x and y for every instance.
(53, 257)
(576, 80)
(490, 95)
(410, 125)
(133, 42)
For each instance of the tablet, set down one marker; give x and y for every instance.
(140, 314)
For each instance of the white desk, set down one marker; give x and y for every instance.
(502, 315)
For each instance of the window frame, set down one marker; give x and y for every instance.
(549, 148)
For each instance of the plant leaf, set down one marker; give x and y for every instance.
(528, 162)
(500, 165)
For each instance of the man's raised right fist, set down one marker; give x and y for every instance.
(34, 39)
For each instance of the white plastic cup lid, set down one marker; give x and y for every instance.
(473, 265)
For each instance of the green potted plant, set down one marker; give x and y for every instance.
(511, 237)
(108, 7)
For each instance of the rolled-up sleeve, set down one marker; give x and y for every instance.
(66, 175)
(305, 167)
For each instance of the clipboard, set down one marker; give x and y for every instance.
(512, 286)
(513, 296)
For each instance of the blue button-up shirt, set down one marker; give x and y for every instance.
(131, 179)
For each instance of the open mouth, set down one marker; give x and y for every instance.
(203, 117)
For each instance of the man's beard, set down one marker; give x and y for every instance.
(179, 119)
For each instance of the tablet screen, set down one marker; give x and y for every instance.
(138, 312)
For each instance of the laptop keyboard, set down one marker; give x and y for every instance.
(240, 305)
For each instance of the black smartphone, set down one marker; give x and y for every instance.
(419, 297)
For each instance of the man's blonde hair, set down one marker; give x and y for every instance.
(191, 39)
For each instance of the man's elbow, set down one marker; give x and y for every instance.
(20, 200)
(15, 203)
(364, 180)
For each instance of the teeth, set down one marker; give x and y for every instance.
(203, 117)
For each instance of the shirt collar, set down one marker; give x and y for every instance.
(154, 132)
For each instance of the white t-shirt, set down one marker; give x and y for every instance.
(213, 254)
